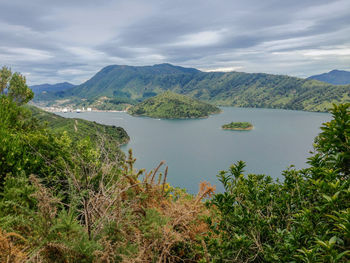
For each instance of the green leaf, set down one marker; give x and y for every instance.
(328, 198)
(339, 256)
(332, 240)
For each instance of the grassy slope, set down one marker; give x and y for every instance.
(230, 89)
(78, 128)
(173, 106)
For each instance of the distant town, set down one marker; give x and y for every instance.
(77, 110)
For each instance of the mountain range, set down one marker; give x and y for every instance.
(336, 77)
(51, 87)
(132, 84)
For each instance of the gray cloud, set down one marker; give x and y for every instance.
(52, 41)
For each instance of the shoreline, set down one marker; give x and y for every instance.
(182, 118)
(221, 106)
(240, 129)
(60, 110)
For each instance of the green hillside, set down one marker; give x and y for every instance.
(170, 105)
(79, 129)
(227, 89)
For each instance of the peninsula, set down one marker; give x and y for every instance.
(78, 129)
(238, 126)
(170, 105)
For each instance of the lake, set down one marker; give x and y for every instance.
(197, 149)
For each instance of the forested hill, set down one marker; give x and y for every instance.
(170, 105)
(229, 89)
(336, 77)
(79, 129)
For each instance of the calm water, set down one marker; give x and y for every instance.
(195, 150)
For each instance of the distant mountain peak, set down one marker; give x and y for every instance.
(164, 68)
(164, 64)
(335, 76)
(176, 68)
(52, 87)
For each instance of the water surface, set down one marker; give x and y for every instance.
(196, 150)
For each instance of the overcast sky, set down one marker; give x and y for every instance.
(70, 40)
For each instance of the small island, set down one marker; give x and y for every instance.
(238, 126)
(170, 105)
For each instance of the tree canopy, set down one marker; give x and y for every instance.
(14, 84)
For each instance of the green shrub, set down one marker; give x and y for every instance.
(303, 219)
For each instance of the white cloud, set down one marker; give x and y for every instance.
(24, 54)
(71, 71)
(345, 51)
(334, 8)
(86, 53)
(224, 69)
(204, 38)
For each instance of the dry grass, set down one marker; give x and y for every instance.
(153, 221)
(12, 248)
(183, 215)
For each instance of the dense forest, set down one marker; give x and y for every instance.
(74, 200)
(238, 89)
(170, 105)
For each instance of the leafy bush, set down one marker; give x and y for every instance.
(303, 219)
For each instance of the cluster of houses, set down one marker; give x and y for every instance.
(64, 110)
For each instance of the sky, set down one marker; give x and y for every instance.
(70, 40)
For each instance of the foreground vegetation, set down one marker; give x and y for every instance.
(170, 105)
(78, 129)
(256, 90)
(65, 200)
(238, 126)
